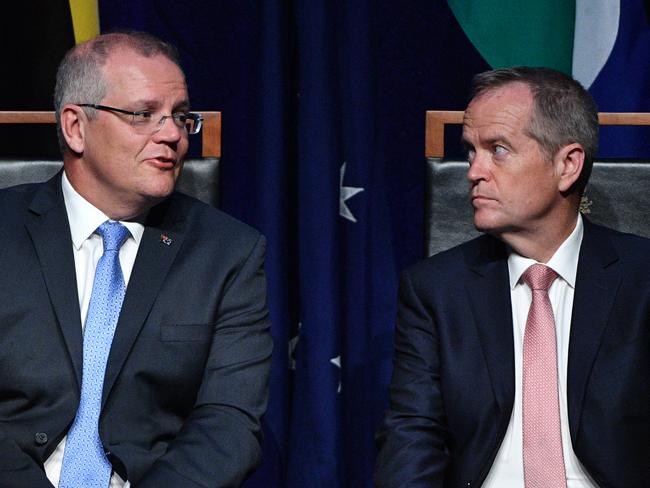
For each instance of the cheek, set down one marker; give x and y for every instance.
(122, 151)
(537, 193)
(183, 146)
(517, 192)
(112, 158)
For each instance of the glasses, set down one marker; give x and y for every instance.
(145, 122)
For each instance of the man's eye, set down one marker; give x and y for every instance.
(499, 150)
(181, 117)
(470, 154)
(142, 116)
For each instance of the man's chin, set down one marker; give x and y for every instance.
(482, 224)
(488, 226)
(154, 195)
(159, 195)
(161, 187)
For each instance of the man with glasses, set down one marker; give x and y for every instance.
(134, 334)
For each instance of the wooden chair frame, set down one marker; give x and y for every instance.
(437, 119)
(210, 132)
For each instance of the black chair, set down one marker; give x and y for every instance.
(616, 196)
(200, 176)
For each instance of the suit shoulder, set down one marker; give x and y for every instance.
(448, 263)
(626, 244)
(210, 222)
(628, 239)
(15, 201)
(18, 193)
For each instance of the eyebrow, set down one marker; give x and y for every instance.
(155, 104)
(182, 105)
(499, 138)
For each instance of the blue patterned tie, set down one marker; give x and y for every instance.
(84, 462)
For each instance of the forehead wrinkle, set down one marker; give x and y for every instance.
(154, 103)
(489, 118)
(144, 78)
(488, 134)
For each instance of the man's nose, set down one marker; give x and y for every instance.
(478, 167)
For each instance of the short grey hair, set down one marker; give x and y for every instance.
(79, 78)
(563, 111)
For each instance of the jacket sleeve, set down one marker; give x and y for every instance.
(411, 440)
(219, 444)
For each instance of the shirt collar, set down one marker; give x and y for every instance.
(84, 218)
(564, 262)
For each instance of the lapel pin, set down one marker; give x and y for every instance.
(165, 239)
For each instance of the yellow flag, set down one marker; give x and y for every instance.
(85, 19)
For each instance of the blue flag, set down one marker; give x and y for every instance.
(345, 261)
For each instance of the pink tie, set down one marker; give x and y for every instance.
(543, 457)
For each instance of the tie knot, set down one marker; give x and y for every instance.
(114, 234)
(539, 277)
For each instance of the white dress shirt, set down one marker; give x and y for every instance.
(508, 468)
(88, 247)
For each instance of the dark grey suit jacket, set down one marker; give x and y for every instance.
(453, 384)
(186, 379)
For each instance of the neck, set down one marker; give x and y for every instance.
(115, 206)
(542, 242)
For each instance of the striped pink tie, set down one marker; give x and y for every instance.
(543, 457)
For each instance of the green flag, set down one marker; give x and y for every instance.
(514, 33)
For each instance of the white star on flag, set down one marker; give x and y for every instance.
(337, 362)
(345, 193)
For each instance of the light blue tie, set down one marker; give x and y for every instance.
(84, 462)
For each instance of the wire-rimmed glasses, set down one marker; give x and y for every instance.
(145, 122)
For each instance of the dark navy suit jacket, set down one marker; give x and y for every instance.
(453, 383)
(186, 379)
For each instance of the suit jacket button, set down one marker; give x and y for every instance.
(40, 438)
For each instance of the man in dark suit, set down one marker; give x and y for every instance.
(178, 396)
(465, 403)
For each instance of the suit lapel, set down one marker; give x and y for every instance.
(161, 241)
(50, 233)
(597, 283)
(489, 296)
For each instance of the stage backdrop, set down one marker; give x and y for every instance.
(323, 106)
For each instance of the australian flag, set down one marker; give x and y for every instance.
(345, 259)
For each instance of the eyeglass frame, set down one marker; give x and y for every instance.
(197, 118)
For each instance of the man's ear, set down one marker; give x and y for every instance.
(570, 160)
(73, 125)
